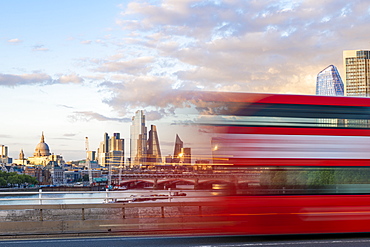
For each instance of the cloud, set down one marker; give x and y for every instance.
(86, 42)
(11, 80)
(66, 106)
(141, 65)
(14, 41)
(71, 78)
(101, 42)
(255, 46)
(70, 134)
(140, 92)
(89, 115)
(40, 48)
(25, 79)
(231, 45)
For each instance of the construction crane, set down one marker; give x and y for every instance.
(88, 163)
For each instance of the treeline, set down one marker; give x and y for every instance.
(10, 179)
(315, 177)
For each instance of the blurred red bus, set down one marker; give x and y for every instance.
(288, 130)
(311, 154)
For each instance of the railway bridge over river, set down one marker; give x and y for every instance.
(199, 181)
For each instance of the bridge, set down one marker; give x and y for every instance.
(199, 181)
(48, 213)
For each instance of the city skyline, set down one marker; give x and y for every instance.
(74, 70)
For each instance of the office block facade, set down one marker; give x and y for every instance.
(357, 72)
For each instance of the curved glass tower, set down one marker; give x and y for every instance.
(329, 82)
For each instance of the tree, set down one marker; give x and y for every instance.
(3, 182)
(14, 179)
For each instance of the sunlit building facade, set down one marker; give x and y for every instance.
(154, 151)
(4, 159)
(177, 150)
(138, 139)
(178, 146)
(185, 156)
(111, 150)
(43, 156)
(357, 72)
(329, 82)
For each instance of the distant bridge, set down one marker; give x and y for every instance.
(200, 181)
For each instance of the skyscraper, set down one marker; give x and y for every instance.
(4, 159)
(357, 72)
(178, 145)
(329, 82)
(106, 143)
(185, 156)
(116, 150)
(111, 150)
(154, 151)
(138, 139)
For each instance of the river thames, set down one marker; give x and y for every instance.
(78, 197)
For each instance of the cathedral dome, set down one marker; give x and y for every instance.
(42, 149)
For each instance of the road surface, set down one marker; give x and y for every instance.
(211, 241)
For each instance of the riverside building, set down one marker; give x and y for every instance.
(357, 72)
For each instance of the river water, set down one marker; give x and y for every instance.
(29, 198)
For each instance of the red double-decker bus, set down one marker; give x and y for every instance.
(288, 130)
(312, 154)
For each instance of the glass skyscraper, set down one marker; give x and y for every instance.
(154, 150)
(329, 83)
(138, 139)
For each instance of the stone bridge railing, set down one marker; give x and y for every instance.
(108, 217)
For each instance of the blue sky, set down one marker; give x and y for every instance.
(81, 68)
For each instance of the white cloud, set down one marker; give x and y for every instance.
(89, 115)
(231, 45)
(140, 92)
(261, 46)
(139, 65)
(25, 79)
(14, 41)
(40, 48)
(86, 42)
(71, 78)
(11, 80)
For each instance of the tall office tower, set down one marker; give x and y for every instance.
(103, 150)
(154, 150)
(4, 159)
(177, 150)
(91, 155)
(112, 143)
(185, 156)
(3, 151)
(357, 72)
(111, 150)
(105, 143)
(117, 144)
(329, 83)
(138, 139)
(116, 150)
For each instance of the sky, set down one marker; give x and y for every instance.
(75, 69)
